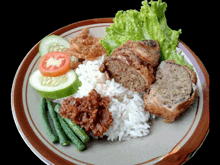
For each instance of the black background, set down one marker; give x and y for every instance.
(30, 22)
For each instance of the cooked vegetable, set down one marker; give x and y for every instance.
(149, 23)
(53, 137)
(54, 64)
(75, 141)
(62, 137)
(76, 128)
(53, 43)
(55, 87)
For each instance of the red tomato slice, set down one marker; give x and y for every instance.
(54, 64)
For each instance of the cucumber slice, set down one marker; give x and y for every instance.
(52, 43)
(55, 87)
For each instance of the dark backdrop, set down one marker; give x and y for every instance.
(33, 20)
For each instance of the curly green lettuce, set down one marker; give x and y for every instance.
(149, 23)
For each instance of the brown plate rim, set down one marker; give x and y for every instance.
(177, 155)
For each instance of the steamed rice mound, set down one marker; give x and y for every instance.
(127, 107)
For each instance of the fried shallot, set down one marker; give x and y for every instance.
(84, 47)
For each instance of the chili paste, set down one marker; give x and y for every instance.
(90, 112)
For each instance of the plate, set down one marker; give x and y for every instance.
(173, 143)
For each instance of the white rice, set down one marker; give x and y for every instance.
(127, 107)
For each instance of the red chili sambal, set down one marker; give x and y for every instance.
(90, 112)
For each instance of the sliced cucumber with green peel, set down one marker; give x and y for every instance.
(55, 87)
(53, 43)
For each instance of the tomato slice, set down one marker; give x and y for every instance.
(54, 64)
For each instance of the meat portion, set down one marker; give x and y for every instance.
(90, 112)
(126, 75)
(146, 51)
(172, 92)
(133, 64)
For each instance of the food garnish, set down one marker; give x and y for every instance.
(85, 46)
(55, 87)
(53, 43)
(149, 23)
(54, 64)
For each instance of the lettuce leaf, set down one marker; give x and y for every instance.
(149, 23)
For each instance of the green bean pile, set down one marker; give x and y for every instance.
(66, 130)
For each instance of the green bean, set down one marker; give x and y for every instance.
(76, 128)
(53, 137)
(75, 141)
(62, 137)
